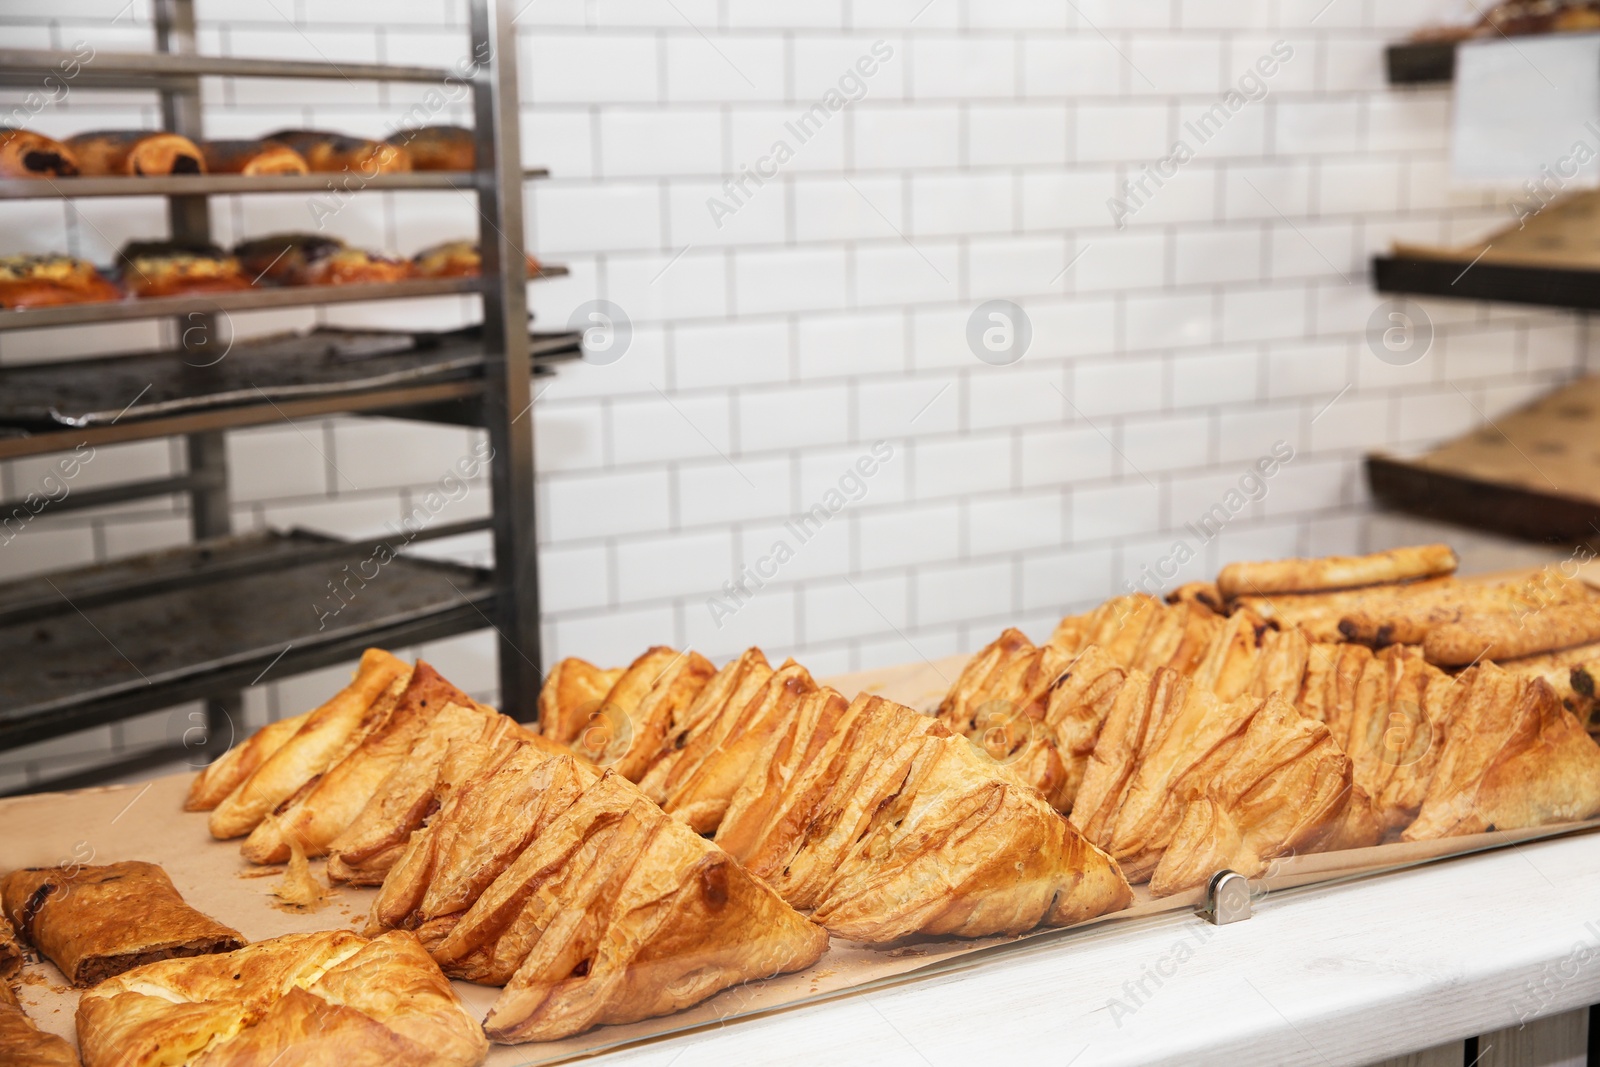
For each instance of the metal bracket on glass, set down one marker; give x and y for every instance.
(1227, 899)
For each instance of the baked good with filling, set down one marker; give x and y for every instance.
(30, 281)
(172, 268)
(456, 259)
(22, 1044)
(112, 153)
(330, 999)
(94, 922)
(326, 152)
(316, 259)
(252, 157)
(25, 154)
(438, 147)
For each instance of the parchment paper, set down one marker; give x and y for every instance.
(147, 822)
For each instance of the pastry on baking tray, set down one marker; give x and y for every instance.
(438, 147)
(23, 1044)
(481, 827)
(46, 281)
(316, 259)
(10, 950)
(25, 154)
(1513, 758)
(885, 824)
(94, 922)
(328, 734)
(252, 157)
(626, 728)
(709, 748)
(455, 259)
(1572, 673)
(223, 775)
(573, 690)
(317, 816)
(1142, 633)
(333, 152)
(1181, 781)
(612, 912)
(169, 268)
(329, 999)
(1035, 709)
(447, 750)
(1502, 636)
(110, 153)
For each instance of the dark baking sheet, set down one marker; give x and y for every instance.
(104, 390)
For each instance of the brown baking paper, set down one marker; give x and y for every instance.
(146, 822)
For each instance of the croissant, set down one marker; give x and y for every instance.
(613, 911)
(891, 825)
(1513, 757)
(317, 817)
(330, 999)
(23, 1044)
(325, 737)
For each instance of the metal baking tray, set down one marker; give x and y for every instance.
(105, 390)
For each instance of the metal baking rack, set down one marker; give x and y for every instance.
(99, 644)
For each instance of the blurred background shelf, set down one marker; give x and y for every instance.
(238, 184)
(1421, 62)
(1557, 287)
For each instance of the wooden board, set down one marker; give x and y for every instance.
(1534, 473)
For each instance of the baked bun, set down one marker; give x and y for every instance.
(438, 147)
(25, 154)
(252, 157)
(455, 259)
(111, 153)
(46, 281)
(333, 152)
(165, 268)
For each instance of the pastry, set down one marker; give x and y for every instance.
(330, 999)
(23, 1044)
(327, 735)
(46, 281)
(894, 826)
(456, 259)
(10, 950)
(316, 817)
(1141, 633)
(313, 259)
(252, 157)
(334, 152)
(109, 153)
(1513, 758)
(1037, 710)
(165, 268)
(366, 849)
(573, 690)
(1505, 636)
(1267, 781)
(223, 776)
(94, 922)
(1336, 572)
(438, 147)
(616, 912)
(25, 154)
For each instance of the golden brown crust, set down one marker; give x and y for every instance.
(319, 816)
(1336, 572)
(49, 281)
(111, 153)
(331, 998)
(1504, 636)
(324, 738)
(615, 912)
(456, 259)
(1513, 757)
(22, 1044)
(573, 690)
(438, 147)
(10, 950)
(94, 922)
(217, 780)
(373, 842)
(252, 158)
(334, 152)
(25, 154)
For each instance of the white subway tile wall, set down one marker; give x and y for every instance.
(800, 207)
